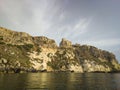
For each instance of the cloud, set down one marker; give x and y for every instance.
(71, 31)
(35, 18)
(103, 42)
(78, 21)
(40, 17)
(82, 24)
(62, 17)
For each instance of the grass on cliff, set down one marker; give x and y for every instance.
(13, 53)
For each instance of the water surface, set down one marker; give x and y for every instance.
(60, 81)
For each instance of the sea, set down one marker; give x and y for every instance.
(60, 81)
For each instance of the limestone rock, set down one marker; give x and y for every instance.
(65, 43)
(44, 42)
(21, 52)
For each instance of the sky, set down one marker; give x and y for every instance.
(91, 22)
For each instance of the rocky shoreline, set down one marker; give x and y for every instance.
(34, 71)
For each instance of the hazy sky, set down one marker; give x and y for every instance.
(92, 22)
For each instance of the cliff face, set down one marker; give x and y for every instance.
(21, 52)
(44, 42)
(14, 38)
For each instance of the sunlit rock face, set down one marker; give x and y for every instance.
(21, 52)
(40, 60)
(91, 66)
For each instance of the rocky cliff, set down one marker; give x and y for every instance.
(20, 52)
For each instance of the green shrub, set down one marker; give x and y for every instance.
(1, 37)
(2, 43)
(26, 47)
